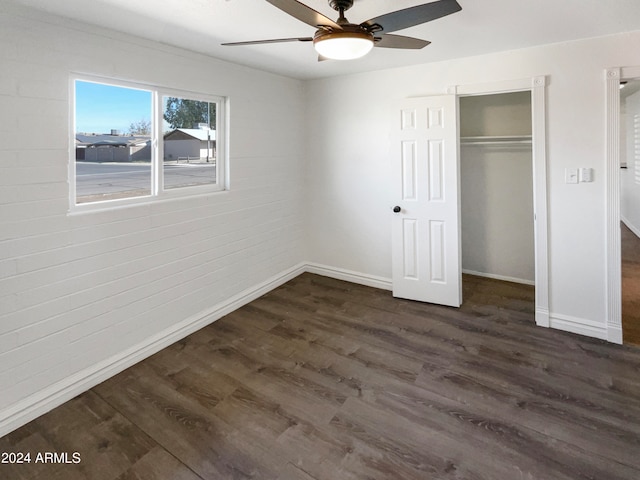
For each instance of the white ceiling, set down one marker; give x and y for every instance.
(483, 26)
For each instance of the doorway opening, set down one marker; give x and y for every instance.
(614, 78)
(536, 88)
(630, 209)
(497, 198)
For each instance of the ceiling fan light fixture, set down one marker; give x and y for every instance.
(342, 40)
(343, 45)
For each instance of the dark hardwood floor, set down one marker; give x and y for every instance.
(630, 286)
(322, 379)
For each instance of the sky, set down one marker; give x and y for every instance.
(101, 108)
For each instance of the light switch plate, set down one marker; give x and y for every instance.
(586, 174)
(571, 175)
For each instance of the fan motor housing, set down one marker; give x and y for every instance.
(341, 4)
(348, 30)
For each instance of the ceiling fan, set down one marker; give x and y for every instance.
(343, 40)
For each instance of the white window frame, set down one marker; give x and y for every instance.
(158, 193)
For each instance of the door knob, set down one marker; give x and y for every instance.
(397, 209)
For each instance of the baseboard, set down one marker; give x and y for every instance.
(614, 334)
(499, 277)
(40, 403)
(542, 318)
(577, 325)
(350, 276)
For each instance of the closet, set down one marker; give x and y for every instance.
(496, 182)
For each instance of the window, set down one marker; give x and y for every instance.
(118, 153)
(189, 142)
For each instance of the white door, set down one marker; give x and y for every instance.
(426, 229)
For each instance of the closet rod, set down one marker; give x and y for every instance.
(497, 140)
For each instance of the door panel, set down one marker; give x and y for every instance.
(410, 246)
(409, 171)
(438, 251)
(436, 171)
(425, 243)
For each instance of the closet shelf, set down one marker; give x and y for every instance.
(497, 140)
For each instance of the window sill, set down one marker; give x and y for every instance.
(146, 201)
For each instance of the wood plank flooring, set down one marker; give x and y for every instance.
(326, 380)
(630, 286)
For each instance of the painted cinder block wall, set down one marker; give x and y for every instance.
(82, 294)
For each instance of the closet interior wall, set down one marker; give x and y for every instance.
(496, 179)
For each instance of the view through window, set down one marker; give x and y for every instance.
(117, 156)
(112, 142)
(189, 142)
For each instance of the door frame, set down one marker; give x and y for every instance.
(537, 87)
(613, 270)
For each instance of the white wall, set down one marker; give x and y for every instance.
(505, 114)
(349, 207)
(630, 177)
(80, 292)
(497, 211)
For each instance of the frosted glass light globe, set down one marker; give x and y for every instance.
(343, 45)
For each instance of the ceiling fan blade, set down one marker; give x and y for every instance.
(303, 13)
(275, 40)
(411, 16)
(399, 41)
